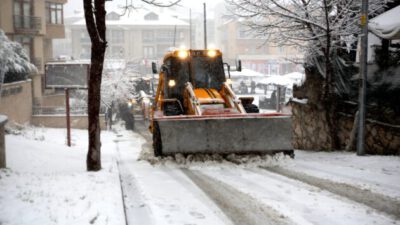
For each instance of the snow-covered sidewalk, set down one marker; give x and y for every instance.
(46, 182)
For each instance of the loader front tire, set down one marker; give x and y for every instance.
(157, 144)
(251, 108)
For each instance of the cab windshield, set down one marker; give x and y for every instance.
(207, 72)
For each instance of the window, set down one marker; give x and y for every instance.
(242, 34)
(148, 35)
(148, 52)
(26, 42)
(116, 36)
(281, 50)
(54, 13)
(165, 35)
(22, 13)
(23, 7)
(85, 37)
(151, 16)
(115, 52)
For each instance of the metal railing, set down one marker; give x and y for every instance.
(61, 110)
(27, 24)
(51, 110)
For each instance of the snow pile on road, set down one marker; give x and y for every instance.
(201, 160)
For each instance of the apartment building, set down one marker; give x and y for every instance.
(256, 53)
(143, 35)
(34, 24)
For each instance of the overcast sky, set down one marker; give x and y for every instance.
(196, 5)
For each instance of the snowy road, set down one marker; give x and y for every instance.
(296, 192)
(47, 183)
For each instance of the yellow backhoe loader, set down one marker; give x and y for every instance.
(196, 111)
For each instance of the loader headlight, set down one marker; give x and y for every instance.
(212, 53)
(229, 81)
(171, 83)
(146, 100)
(183, 54)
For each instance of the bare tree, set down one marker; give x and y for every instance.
(319, 27)
(95, 16)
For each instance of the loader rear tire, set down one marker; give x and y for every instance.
(157, 144)
(251, 108)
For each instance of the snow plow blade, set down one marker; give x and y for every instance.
(259, 133)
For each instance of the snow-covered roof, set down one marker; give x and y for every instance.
(386, 25)
(297, 77)
(247, 73)
(137, 18)
(278, 80)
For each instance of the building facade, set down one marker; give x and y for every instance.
(34, 24)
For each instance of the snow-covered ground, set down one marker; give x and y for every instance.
(46, 183)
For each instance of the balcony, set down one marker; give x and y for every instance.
(54, 31)
(27, 24)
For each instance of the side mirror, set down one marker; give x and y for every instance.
(239, 66)
(154, 67)
(229, 70)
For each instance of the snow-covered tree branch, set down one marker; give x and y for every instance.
(299, 21)
(14, 62)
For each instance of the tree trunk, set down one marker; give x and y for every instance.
(95, 24)
(329, 94)
(93, 157)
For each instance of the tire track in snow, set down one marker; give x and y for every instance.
(241, 208)
(302, 203)
(335, 171)
(374, 200)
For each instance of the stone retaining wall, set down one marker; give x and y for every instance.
(310, 131)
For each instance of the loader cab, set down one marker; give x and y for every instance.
(202, 68)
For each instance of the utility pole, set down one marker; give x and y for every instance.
(174, 44)
(363, 78)
(190, 29)
(205, 26)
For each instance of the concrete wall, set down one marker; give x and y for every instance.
(6, 13)
(53, 100)
(16, 101)
(3, 121)
(59, 121)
